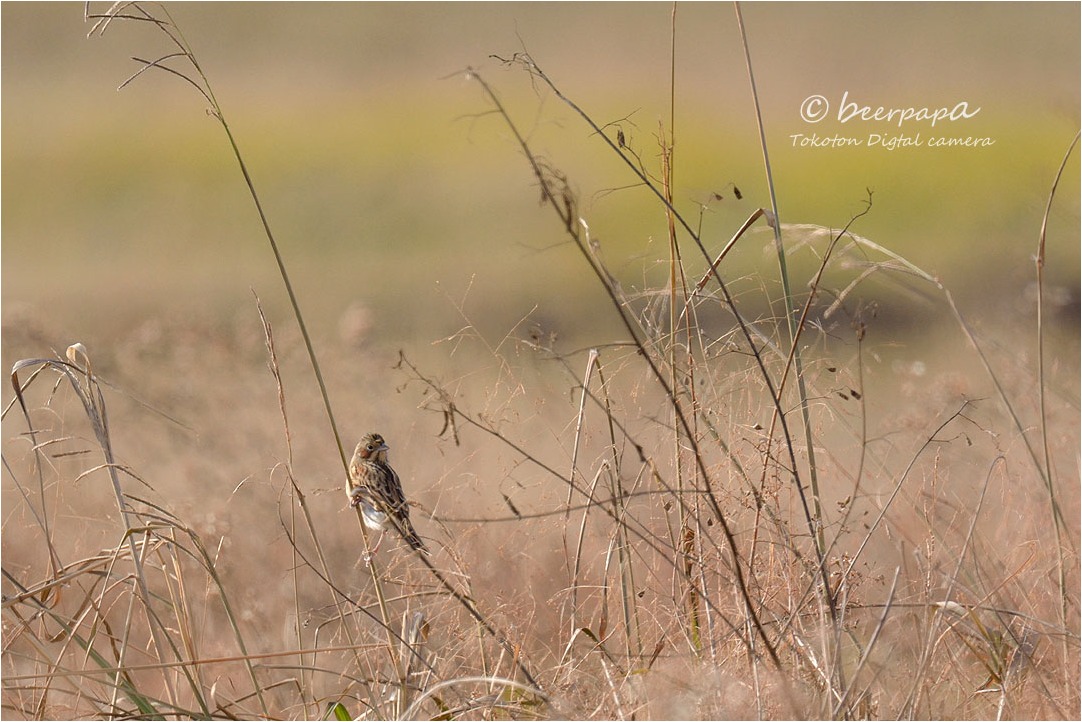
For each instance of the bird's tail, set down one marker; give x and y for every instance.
(410, 535)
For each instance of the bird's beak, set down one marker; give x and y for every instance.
(383, 447)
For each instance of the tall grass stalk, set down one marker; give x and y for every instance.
(1053, 504)
(564, 205)
(558, 197)
(816, 513)
(299, 500)
(151, 527)
(198, 79)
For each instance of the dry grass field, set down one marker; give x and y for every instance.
(673, 459)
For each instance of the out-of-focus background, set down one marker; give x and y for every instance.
(389, 188)
(409, 220)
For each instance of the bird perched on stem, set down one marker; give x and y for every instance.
(376, 489)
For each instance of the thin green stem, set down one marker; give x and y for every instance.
(791, 321)
(1061, 576)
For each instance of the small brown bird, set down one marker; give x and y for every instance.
(375, 487)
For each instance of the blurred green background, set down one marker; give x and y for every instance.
(396, 196)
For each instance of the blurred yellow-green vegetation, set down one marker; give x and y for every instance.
(388, 186)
